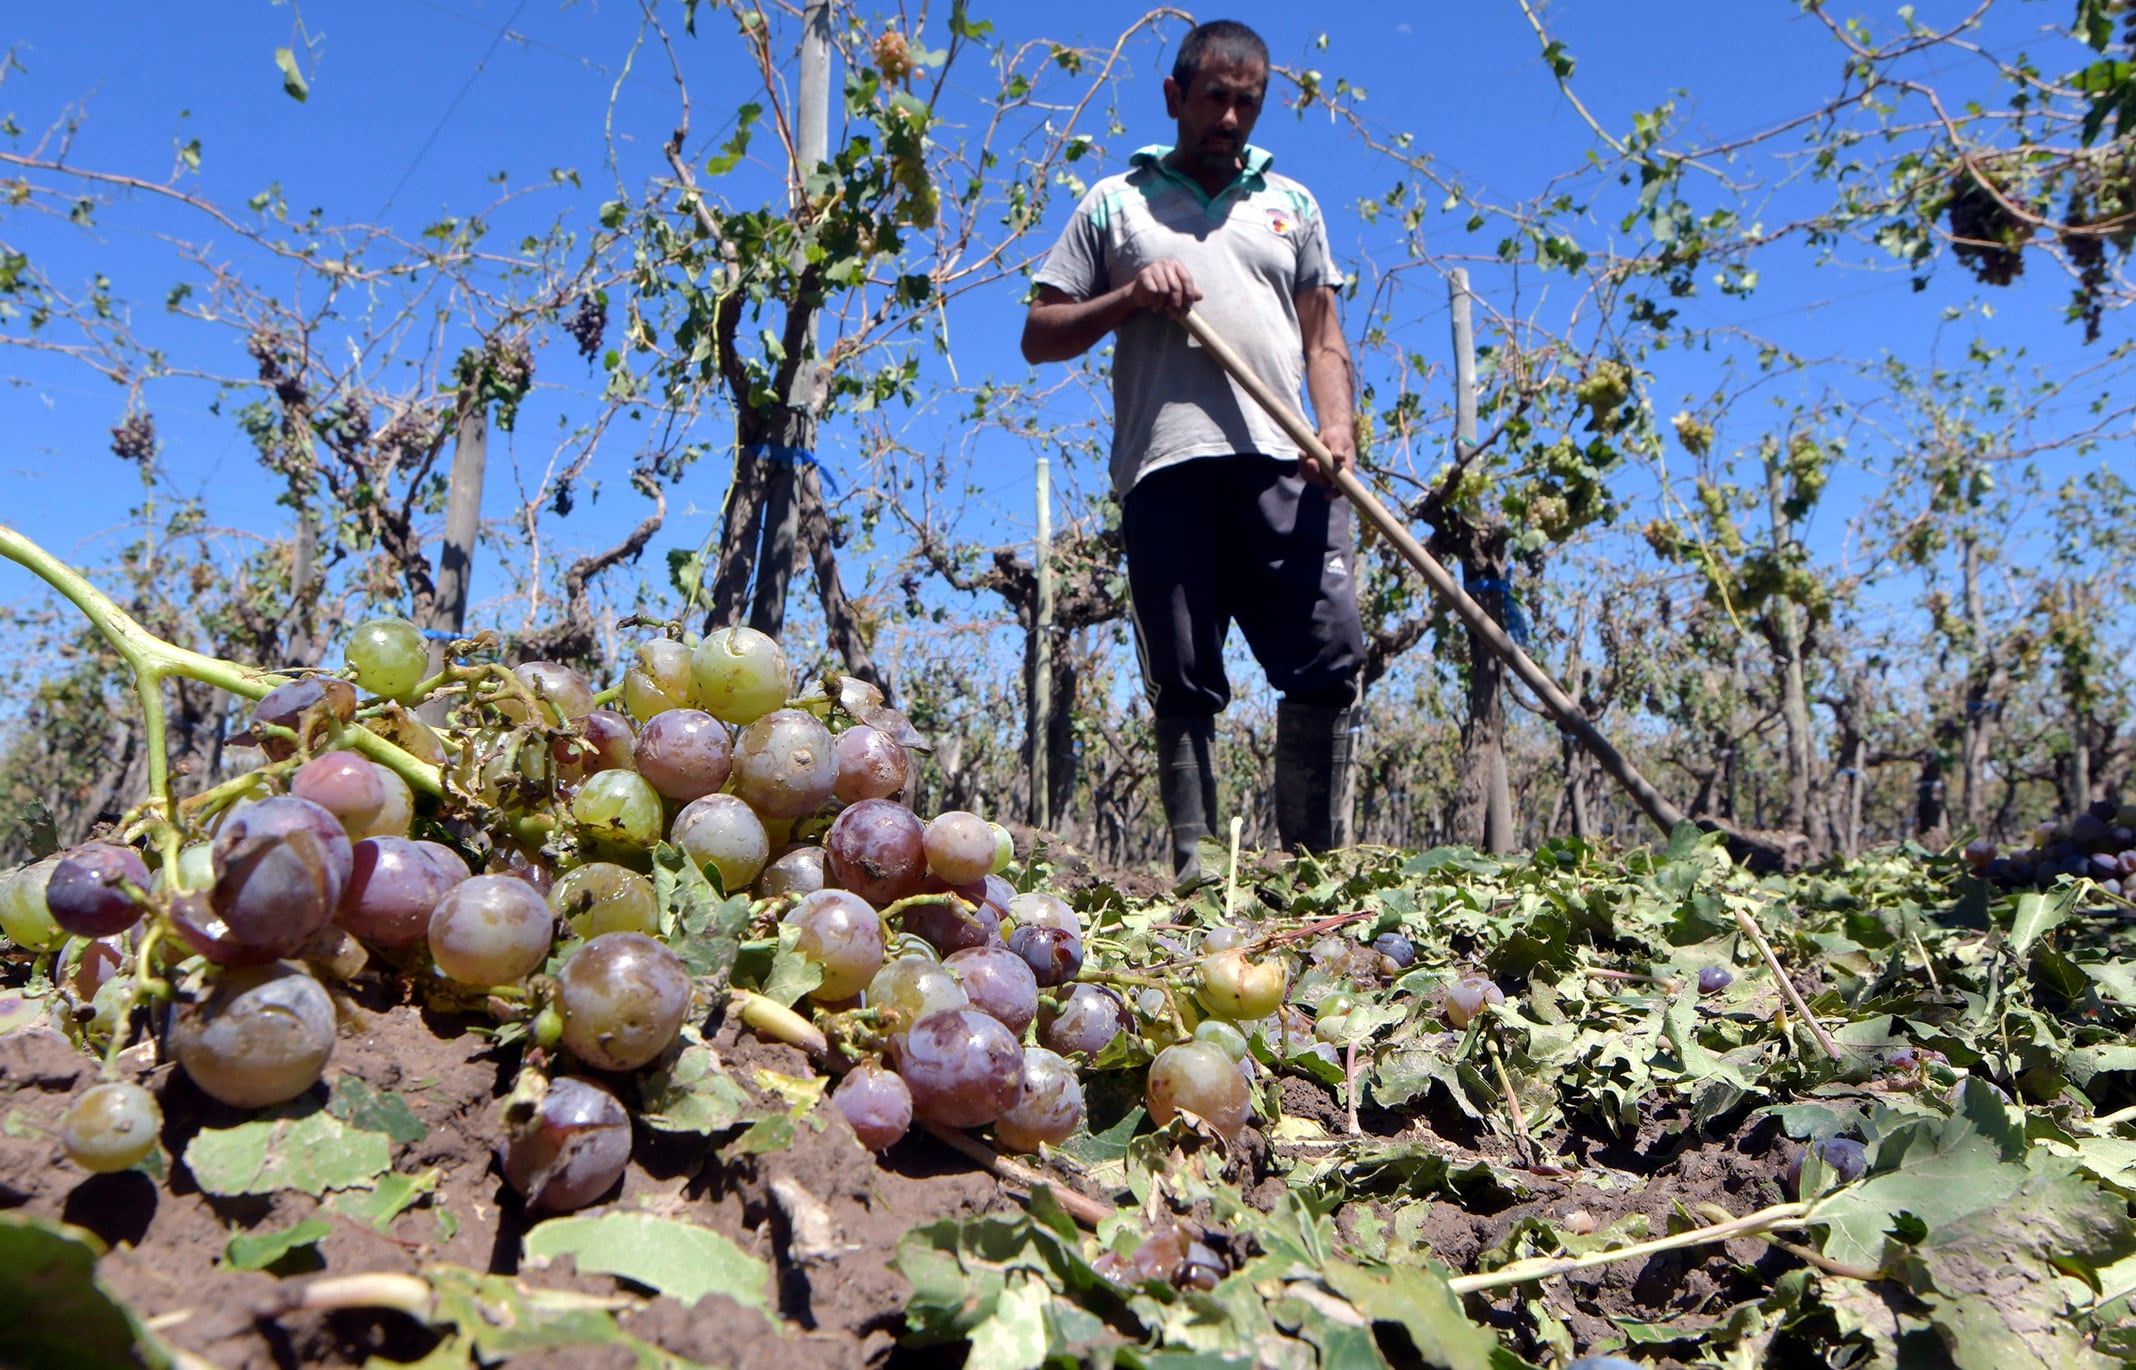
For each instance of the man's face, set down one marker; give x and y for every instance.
(1216, 111)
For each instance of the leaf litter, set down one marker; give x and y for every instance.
(1598, 1165)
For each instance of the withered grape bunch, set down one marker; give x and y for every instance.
(519, 861)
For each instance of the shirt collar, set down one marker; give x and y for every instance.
(1256, 163)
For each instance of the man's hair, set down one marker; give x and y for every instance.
(1220, 39)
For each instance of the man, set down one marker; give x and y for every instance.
(1223, 518)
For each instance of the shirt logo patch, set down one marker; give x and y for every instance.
(1280, 222)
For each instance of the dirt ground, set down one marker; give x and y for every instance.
(843, 1308)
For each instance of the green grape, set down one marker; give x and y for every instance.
(740, 675)
(110, 1127)
(23, 915)
(659, 678)
(1222, 1034)
(1200, 1077)
(618, 807)
(1004, 849)
(722, 832)
(601, 896)
(388, 657)
(623, 997)
(547, 1029)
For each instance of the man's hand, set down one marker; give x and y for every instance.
(1164, 286)
(1341, 442)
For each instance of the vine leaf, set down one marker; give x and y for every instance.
(678, 1259)
(298, 1146)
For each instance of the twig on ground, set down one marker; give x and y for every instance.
(1076, 1204)
(1787, 986)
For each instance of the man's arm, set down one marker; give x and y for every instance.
(1060, 327)
(1328, 380)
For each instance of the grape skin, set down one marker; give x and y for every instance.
(394, 886)
(843, 935)
(963, 1067)
(1055, 957)
(1086, 1020)
(722, 832)
(491, 930)
(796, 871)
(658, 679)
(281, 866)
(388, 657)
(564, 694)
(571, 1151)
(876, 1104)
(739, 675)
(1050, 1107)
(784, 764)
(619, 808)
(959, 847)
(961, 918)
(874, 849)
(601, 897)
(871, 765)
(344, 784)
(623, 997)
(1200, 1078)
(261, 1037)
(604, 742)
(1468, 996)
(998, 982)
(285, 705)
(23, 915)
(684, 753)
(110, 1127)
(85, 894)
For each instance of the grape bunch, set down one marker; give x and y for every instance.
(505, 863)
(2098, 844)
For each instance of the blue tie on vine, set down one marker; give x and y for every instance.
(792, 456)
(1516, 622)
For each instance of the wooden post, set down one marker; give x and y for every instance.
(782, 512)
(1042, 659)
(1490, 750)
(463, 523)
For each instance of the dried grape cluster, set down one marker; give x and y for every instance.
(2098, 844)
(521, 881)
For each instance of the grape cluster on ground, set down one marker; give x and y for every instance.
(648, 1022)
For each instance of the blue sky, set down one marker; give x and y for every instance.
(416, 104)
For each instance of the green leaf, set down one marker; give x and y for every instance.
(692, 1095)
(1013, 1337)
(358, 1105)
(1426, 1309)
(792, 974)
(297, 1146)
(52, 1309)
(736, 147)
(702, 926)
(395, 1194)
(250, 1252)
(678, 1259)
(293, 83)
(2037, 914)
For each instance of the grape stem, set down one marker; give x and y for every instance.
(1076, 1204)
(153, 661)
(1778, 1218)
(1231, 872)
(1787, 986)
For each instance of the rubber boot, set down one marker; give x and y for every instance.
(1314, 785)
(1186, 781)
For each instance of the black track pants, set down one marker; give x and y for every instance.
(1242, 538)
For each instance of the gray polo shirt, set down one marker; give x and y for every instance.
(1251, 248)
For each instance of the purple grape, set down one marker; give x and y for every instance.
(1844, 1157)
(491, 930)
(963, 1067)
(1714, 979)
(1051, 1105)
(1085, 1021)
(843, 935)
(1054, 955)
(571, 1151)
(999, 982)
(344, 784)
(961, 918)
(871, 765)
(875, 849)
(1199, 1077)
(604, 743)
(394, 885)
(85, 895)
(284, 707)
(685, 753)
(281, 866)
(796, 871)
(1396, 948)
(876, 1104)
(261, 1037)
